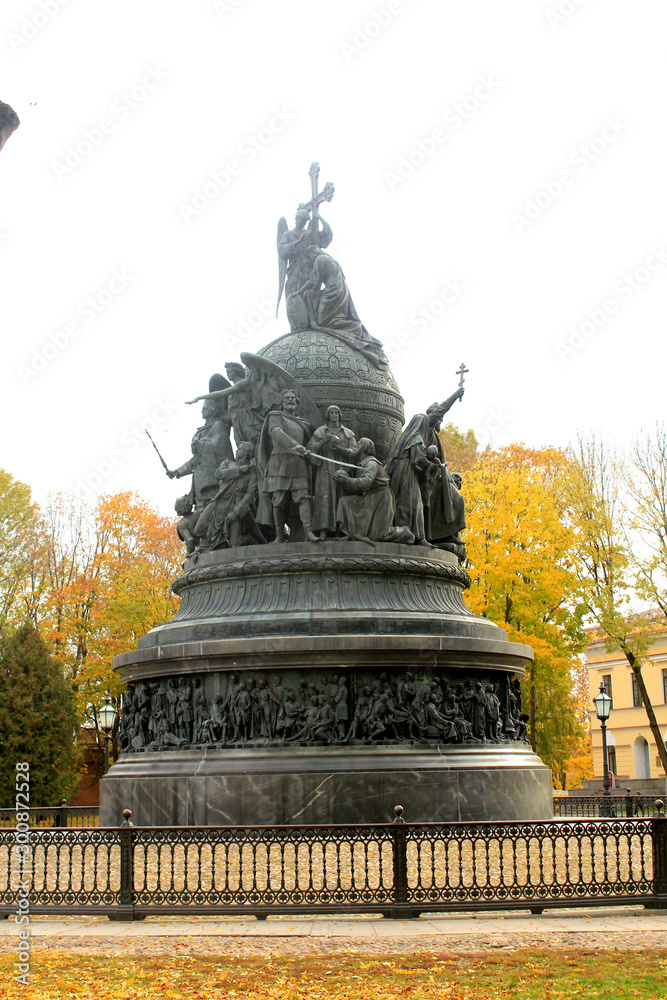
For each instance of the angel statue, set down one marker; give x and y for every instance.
(294, 264)
(317, 296)
(256, 389)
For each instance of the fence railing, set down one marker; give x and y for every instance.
(396, 869)
(605, 805)
(54, 816)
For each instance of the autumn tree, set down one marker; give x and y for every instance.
(607, 501)
(111, 570)
(520, 552)
(460, 448)
(37, 720)
(572, 759)
(22, 553)
(646, 485)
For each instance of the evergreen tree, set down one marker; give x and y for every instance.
(37, 720)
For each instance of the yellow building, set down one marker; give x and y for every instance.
(633, 755)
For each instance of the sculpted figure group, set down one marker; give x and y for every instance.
(319, 710)
(294, 478)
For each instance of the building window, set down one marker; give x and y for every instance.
(611, 757)
(664, 686)
(636, 693)
(606, 683)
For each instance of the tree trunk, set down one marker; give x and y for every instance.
(652, 721)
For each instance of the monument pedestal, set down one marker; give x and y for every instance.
(242, 709)
(312, 785)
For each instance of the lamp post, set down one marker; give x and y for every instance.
(602, 703)
(107, 717)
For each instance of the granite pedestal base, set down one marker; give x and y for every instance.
(332, 785)
(310, 684)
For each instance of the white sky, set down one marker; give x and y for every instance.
(219, 72)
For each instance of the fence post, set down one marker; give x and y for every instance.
(60, 818)
(659, 845)
(125, 909)
(629, 806)
(400, 858)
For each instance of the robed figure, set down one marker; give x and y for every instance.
(330, 441)
(407, 466)
(366, 511)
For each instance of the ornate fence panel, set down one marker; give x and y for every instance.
(397, 869)
(529, 866)
(611, 806)
(69, 870)
(54, 816)
(261, 869)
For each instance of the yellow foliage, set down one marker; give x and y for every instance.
(521, 548)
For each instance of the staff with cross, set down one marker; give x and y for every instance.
(461, 372)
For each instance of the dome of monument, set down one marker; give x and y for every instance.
(333, 370)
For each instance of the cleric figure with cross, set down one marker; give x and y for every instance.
(440, 520)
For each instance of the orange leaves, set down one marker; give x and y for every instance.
(110, 567)
(519, 975)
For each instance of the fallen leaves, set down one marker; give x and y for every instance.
(422, 976)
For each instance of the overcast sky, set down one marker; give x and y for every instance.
(500, 173)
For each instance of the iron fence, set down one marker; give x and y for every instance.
(605, 805)
(53, 816)
(396, 869)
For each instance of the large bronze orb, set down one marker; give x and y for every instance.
(334, 371)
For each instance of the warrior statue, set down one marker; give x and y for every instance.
(283, 469)
(210, 446)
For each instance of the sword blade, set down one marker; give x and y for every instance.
(332, 461)
(164, 464)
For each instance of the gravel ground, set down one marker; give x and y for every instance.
(434, 944)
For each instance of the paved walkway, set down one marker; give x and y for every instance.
(613, 928)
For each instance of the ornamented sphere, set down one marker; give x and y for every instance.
(334, 371)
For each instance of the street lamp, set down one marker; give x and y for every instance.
(602, 703)
(107, 717)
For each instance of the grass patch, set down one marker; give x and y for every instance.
(543, 975)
